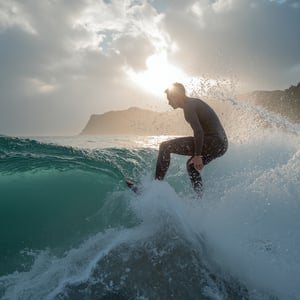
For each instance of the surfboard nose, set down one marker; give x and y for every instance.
(132, 185)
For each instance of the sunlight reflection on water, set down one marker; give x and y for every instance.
(96, 142)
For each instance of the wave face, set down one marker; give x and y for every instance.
(70, 228)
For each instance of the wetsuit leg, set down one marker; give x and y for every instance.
(213, 147)
(195, 177)
(182, 146)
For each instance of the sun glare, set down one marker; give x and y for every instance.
(159, 74)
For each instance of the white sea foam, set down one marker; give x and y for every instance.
(249, 214)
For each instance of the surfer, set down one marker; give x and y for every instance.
(209, 140)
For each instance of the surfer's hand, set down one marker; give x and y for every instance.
(197, 162)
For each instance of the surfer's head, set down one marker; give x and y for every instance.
(176, 94)
(176, 88)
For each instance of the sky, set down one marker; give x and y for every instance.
(63, 60)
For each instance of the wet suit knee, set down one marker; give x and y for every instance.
(195, 177)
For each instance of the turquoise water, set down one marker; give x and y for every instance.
(70, 228)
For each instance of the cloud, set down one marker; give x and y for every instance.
(64, 60)
(12, 14)
(52, 52)
(257, 41)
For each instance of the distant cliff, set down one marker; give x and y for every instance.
(286, 102)
(137, 121)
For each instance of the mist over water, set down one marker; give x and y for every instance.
(70, 228)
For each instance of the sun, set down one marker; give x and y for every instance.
(159, 75)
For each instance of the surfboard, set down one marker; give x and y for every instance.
(133, 186)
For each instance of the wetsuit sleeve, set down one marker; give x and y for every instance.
(193, 119)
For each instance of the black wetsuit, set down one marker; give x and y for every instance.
(209, 141)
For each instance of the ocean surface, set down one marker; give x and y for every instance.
(71, 229)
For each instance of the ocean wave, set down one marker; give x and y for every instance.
(71, 229)
(21, 155)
